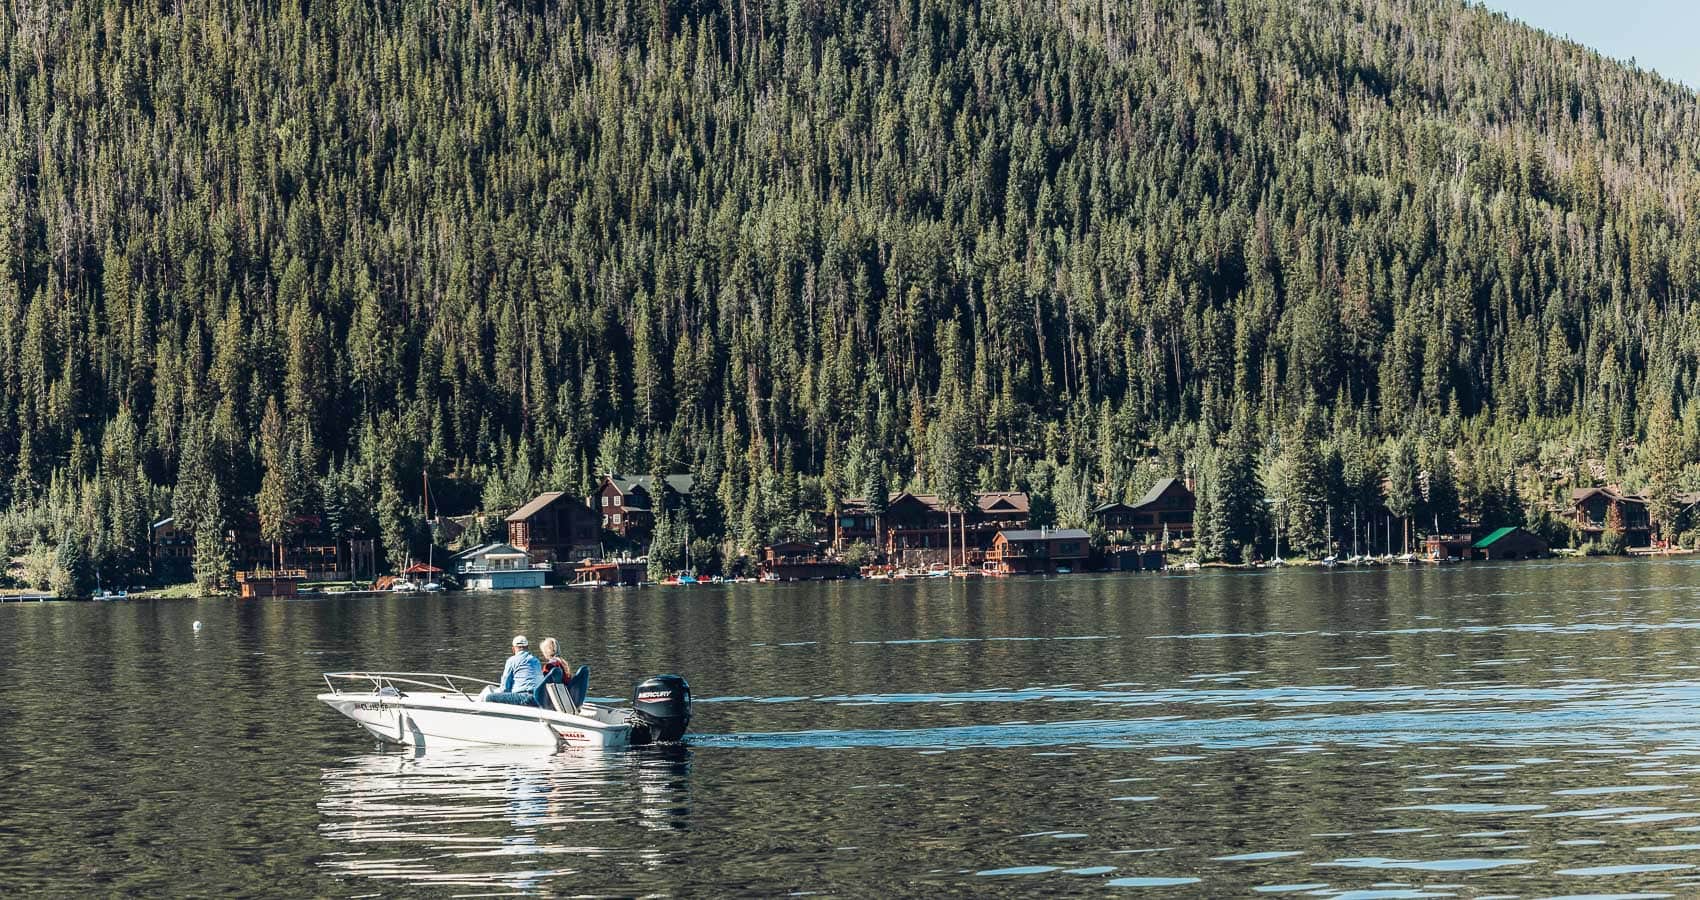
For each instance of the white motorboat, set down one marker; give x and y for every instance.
(427, 709)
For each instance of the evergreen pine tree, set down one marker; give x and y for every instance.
(877, 494)
(73, 576)
(395, 523)
(1665, 459)
(1237, 503)
(1404, 488)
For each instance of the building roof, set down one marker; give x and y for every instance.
(1044, 534)
(1611, 492)
(537, 505)
(989, 503)
(1003, 502)
(497, 548)
(1158, 490)
(1488, 541)
(681, 484)
(421, 569)
(1116, 504)
(168, 520)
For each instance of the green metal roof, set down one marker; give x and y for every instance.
(1487, 542)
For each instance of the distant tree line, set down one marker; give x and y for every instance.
(265, 261)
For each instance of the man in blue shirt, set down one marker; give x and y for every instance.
(520, 676)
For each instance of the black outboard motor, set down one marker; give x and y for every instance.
(661, 706)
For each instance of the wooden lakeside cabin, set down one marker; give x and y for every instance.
(1595, 510)
(1041, 551)
(555, 526)
(1167, 508)
(626, 503)
(171, 550)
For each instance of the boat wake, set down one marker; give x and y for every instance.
(1579, 714)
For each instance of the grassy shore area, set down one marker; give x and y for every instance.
(185, 591)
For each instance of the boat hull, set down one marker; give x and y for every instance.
(423, 720)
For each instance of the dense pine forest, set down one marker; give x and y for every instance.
(263, 260)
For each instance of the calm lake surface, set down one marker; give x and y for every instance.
(1527, 729)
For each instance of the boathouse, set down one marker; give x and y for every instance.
(800, 561)
(1131, 559)
(254, 584)
(1040, 551)
(492, 567)
(1510, 542)
(555, 526)
(611, 573)
(1446, 547)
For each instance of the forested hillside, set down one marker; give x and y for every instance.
(1286, 248)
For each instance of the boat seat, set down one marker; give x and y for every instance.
(578, 686)
(562, 694)
(559, 698)
(550, 693)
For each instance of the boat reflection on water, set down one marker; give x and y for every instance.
(512, 818)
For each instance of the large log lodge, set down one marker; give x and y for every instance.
(912, 530)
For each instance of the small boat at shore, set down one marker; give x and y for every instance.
(428, 709)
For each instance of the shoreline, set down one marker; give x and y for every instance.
(187, 591)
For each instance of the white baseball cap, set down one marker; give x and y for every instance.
(520, 641)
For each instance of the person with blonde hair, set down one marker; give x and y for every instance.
(550, 660)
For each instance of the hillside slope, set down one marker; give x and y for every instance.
(773, 241)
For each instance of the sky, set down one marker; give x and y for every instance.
(1659, 34)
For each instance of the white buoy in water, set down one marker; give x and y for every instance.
(197, 624)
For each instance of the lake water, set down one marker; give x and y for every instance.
(1527, 729)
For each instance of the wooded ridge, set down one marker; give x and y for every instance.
(276, 259)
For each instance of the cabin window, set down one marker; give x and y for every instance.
(604, 499)
(616, 518)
